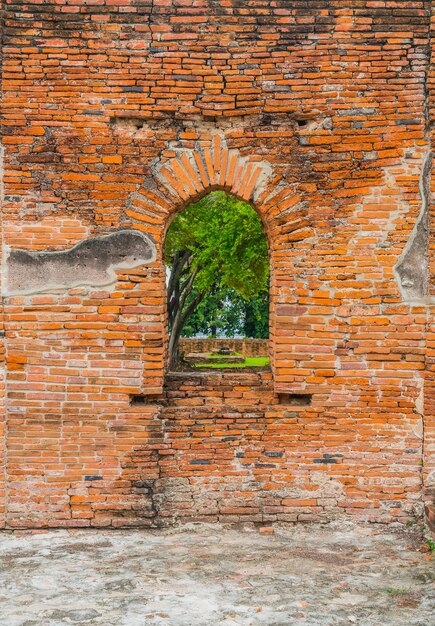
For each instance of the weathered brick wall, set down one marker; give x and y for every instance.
(233, 452)
(115, 116)
(429, 392)
(429, 427)
(221, 447)
(245, 347)
(2, 369)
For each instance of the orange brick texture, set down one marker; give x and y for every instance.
(118, 113)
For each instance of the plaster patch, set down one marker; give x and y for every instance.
(419, 403)
(431, 480)
(329, 487)
(91, 262)
(412, 268)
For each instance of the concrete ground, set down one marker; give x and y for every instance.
(209, 576)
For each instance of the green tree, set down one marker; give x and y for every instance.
(256, 316)
(215, 244)
(223, 312)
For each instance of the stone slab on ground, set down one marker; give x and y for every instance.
(208, 575)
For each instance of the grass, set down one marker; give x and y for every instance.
(431, 544)
(392, 591)
(252, 361)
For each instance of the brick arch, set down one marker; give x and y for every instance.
(194, 172)
(191, 173)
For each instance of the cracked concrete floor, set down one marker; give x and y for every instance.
(207, 576)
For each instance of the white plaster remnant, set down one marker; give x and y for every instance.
(2, 154)
(419, 403)
(92, 262)
(430, 480)
(411, 270)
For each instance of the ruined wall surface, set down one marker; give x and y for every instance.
(115, 116)
(245, 347)
(2, 371)
(429, 387)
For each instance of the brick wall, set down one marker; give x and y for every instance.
(245, 347)
(223, 447)
(235, 450)
(2, 370)
(116, 115)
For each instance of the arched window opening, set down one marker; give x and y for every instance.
(217, 277)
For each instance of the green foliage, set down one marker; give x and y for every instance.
(393, 591)
(219, 283)
(223, 312)
(227, 242)
(256, 316)
(431, 544)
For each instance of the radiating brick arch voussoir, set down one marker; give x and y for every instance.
(192, 173)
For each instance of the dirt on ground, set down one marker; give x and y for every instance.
(207, 575)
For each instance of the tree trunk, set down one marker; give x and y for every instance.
(178, 292)
(174, 341)
(181, 316)
(249, 322)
